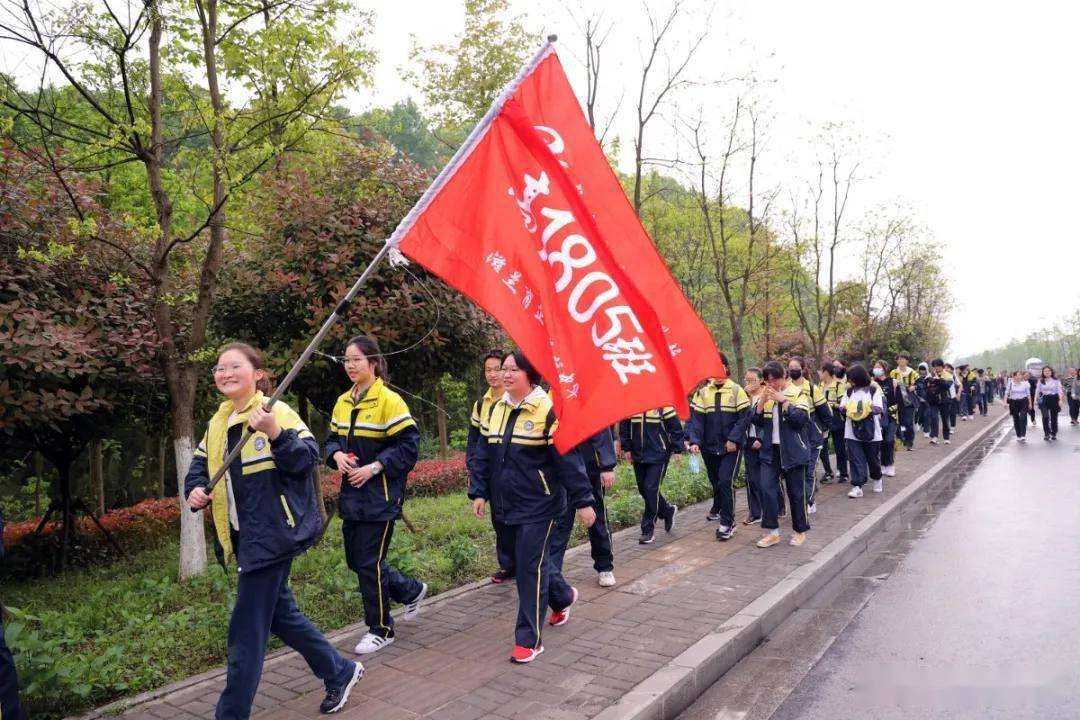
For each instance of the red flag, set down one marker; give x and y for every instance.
(530, 221)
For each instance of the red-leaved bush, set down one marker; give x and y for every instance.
(428, 478)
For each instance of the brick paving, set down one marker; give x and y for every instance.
(451, 663)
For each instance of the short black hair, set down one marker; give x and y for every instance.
(827, 367)
(756, 371)
(858, 377)
(905, 356)
(937, 362)
(493, 355)
(884, 365)
(773, 371)
(523, 362)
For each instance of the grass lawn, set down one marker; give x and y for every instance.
(92, 636)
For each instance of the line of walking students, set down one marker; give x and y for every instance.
(1045, 392)
(265, 512)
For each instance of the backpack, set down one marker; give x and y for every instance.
(934, 395)
(862, 425)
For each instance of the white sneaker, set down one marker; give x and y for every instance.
(811, 508)
(947, 442)
(372, 643)
(413, 608)
(855, 492)
(889, 471)
(879, 485)
(606, 579)
(926, 435)
(933, 441)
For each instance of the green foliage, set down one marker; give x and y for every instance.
(404, 127)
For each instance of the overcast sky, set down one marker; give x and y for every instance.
(963, 113)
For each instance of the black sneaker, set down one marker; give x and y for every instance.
(843, 479)
(502, 576)
(645, 539)
(669, 521)
(826, 478)
(725, 533)
(712, 516)
(337, 697)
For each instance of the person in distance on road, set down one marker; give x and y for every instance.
(375, 443)
(719, 416)
(1071, 385)
(478, 422)
(1049, 395)
(864, 406)
(528, 484)
(984, 393)
(648, 440)
(780, 415)
(265, 514)
(1017, 396)
(1033, 382)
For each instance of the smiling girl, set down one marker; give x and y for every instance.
(265, 514)
(374, 442)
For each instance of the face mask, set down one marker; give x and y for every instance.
(794, 374)
(878, 372)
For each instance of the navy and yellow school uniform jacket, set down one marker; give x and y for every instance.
(598, 453)
(719, 413)
(834, 396)
(478, 419)
(271, 482)
(522, 475)
(378, 427)
(820, 413)
(794, 417)
(652, 436)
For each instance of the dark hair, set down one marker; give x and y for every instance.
(523, 363)
(884, 365)
(796, 358)
(254, 357)
(937, 362)
(369, 346)
(981, 371)
(493, 355)
(905, 356)
(723, 359)
(858, 377)
(773, 371)
(756, 371)
(827, 368)
(1053, 374)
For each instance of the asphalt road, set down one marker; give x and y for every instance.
(974, 615)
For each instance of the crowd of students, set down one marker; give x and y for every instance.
(775, 427)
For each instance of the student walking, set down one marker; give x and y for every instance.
(265, 514)
(375, 443)
(1032, 389)
(719, 415)
(598, 455)
(923, 408)
(1071, 385)
(890, 399)
(907, 399)
(863, 410)
(648, 440)
(752, 382)
(478, 423)
(528, 484)
(939, 389)
(1018, 398)
(820, 419)
(1049, 395)
(780, 415)
(835, 387)
(984, 394)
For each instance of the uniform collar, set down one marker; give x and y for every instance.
(227, 413)
(372, 392)
(532, 399)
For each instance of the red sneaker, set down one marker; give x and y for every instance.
(522, 655)
(501, 576)
(559, 617)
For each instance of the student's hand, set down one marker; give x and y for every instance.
(199, 498)
(607, 479)
(357, 476)
(587, 516)
(694, 450)
(778, 396)
(628, 456)
(345, 461)
(757, 445)
(264, 421)
(478, 507)
(730, 446)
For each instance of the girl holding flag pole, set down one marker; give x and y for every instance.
(265, 514)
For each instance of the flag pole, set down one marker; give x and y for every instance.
(389, 248)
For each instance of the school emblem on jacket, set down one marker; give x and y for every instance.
(260, 443)
(529, 425)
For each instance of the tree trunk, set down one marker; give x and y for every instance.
(192, 524)
(737, 351)
(97, 475)
(440, 421)
(67, 517)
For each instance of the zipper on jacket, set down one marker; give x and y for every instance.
(543, 481)
(288, 513)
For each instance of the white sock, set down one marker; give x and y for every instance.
(775, 532)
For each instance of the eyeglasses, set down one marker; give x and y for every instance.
(353, 361)
(221, 369)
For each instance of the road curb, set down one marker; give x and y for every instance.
(675, 686)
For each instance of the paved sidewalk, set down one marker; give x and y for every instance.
(451, 663)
